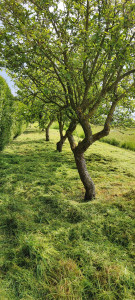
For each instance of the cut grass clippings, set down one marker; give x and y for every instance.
(54, 245)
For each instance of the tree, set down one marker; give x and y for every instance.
(124, 117)
(37, 111)
(37, 105)
(81, 55)
(62, 121)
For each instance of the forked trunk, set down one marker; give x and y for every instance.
(59, 145)
(84, 176)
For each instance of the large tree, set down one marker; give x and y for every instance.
(80, 55)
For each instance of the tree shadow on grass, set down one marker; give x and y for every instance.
(31, 131)
(38, 165)
(41, 166)
(37, 188)
(27, 142)
(27, 195)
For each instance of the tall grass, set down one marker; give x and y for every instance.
(120, 137)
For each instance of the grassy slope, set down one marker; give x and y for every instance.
(120, 137)
(54, 246)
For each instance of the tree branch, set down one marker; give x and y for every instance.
(106, 128)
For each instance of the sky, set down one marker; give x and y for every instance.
(9, 81)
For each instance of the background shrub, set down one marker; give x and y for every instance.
(6, 103)
(11, 117)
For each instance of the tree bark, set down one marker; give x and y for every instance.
(47, 134)
(59, 145)
(61, 125)
(78, 151)
(84, 176)
(47, 131)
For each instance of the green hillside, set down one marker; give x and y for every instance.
(53, 245)
(120, 137)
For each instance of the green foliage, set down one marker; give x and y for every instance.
(84, 67)
(11, 115)
(19, 123)
(53, 245)
(6, 103)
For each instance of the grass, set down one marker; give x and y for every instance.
(53, 245)
(120, 137)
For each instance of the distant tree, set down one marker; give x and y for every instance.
(124, 117)
(38, 111)
(63, 121)
(80, 55)
(36, 107)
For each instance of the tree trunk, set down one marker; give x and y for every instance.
(47, 131)
(61, 129)
(59, 145)
(78, 151)
(47, 134)
(84, 176)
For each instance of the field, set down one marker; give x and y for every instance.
(120, 137)
(54, 245)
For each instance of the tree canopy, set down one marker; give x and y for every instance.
(78, 56)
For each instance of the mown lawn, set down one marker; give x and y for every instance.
(53, 245)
